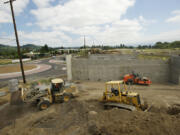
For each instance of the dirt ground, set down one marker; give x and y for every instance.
(85, 115)
(15, 68)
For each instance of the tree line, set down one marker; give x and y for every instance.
(157, 45)
(11, 52)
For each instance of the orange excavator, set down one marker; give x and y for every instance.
(134, 78)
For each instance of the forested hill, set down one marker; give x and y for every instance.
(27, 46)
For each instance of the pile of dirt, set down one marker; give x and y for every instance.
(90, 118)
(174, 109)
(11, 113)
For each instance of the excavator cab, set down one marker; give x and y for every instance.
(117, 95)
(57, 91)
(57, 85)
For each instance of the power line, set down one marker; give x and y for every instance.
(17, 40)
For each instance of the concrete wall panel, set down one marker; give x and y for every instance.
(114, 67)
(175, 70)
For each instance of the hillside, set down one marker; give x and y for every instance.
(7, 51)
(31, 47)
(6, 47)
(27, 46)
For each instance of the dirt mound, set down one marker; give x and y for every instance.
(90, 118)
(10, 113)
(174, 110)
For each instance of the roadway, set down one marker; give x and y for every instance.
(56, 70)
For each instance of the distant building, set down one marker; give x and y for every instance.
(66, 50)
(35, 55)
(31, 54)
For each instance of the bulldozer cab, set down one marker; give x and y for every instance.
(115, 87)
(114, 91)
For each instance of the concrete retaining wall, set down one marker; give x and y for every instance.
(175, 69)
(114, 67)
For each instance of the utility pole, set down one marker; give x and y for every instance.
(84, 41)
(93, 43)
(17, 40)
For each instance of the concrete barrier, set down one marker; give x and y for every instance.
(13, 85)
(175, 69)
(114, 67)
(69, 67)
(24, 60)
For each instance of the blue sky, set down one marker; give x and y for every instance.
(112, 22)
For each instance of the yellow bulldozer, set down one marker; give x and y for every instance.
(117, 95)
(57, 93)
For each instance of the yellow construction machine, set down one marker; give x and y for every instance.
(117, 95)
(57, 93)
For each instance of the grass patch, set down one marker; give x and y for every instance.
(15, 68)
(159, 51)
(45, 81)
(5, 61)
(151, 57)
(41, 81)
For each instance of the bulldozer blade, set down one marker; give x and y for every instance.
(16, 98)
(120, 105)
(148, 108)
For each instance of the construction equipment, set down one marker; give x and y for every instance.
(57, 93)
(116, 95)
(136, 79)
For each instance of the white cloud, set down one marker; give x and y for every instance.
(5, 12)
(121, 32)
(53, 38)
(80, 13)
(5, 17)
(29, 24)
(42, 4)
(20, 5)
(145, 21)
(5, 39)
(175, 18)
(168, 36)
(100, 20)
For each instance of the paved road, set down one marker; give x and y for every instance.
(55, 71)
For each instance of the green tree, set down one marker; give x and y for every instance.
(44, 49)
(158, 45)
